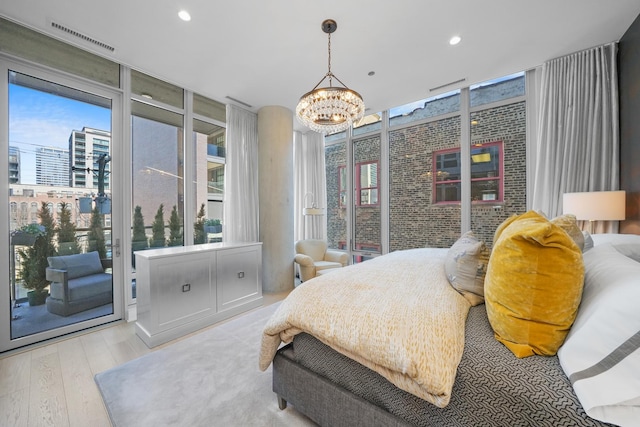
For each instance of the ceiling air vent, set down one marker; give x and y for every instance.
(82, 36)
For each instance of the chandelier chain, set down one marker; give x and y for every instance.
(329, 61)
(330, 109)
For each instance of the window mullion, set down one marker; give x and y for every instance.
(465, 161)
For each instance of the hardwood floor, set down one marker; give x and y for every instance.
(52, 385)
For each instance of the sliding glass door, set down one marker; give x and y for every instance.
(61, 248)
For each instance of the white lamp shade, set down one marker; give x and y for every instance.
(595, 205)
(313, 211)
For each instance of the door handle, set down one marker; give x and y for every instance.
(116, 248)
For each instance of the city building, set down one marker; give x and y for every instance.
(86, 148)
(14, 165)
(52, 166)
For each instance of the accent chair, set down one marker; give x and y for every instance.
(314, 258)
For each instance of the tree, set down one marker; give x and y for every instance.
(34, 259)
(47, 221)
(199, 235)
(67, 239)
(157, 229)
(96, 234)
(139, 237)
(175, 228)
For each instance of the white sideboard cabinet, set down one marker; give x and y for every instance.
(182, 289)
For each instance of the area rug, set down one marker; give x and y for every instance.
(209, 379)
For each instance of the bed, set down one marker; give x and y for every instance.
(495, 382)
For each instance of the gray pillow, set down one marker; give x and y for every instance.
(588, 241)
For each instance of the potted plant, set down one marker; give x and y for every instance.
(97, 241)
(139, 238)
(212, 226)
(34, 259)
(157, 229)
(175, 228)
(66, 230)
(26, 235)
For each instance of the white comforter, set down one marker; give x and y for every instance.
(395, 314)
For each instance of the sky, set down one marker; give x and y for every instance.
(39, 119)
(408, 108)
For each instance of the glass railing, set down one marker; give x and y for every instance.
(215, 150)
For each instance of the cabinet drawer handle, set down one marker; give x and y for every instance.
(240, 274)
(186, 287)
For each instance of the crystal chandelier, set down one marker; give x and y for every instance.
(330, 109)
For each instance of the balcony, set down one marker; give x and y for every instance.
(215, 150)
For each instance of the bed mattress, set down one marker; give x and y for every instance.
(492, 387)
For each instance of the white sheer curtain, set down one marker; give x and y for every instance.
(241, 204)
(577, 136)
(309, 185)
(298, 186)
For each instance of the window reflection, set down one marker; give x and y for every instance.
(157, 168)
(425, 108)
(210, 140)
(494, 90)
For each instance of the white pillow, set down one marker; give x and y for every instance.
(627, 244)
(614, 238)
(601, 354)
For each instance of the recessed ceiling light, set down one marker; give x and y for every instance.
(371, 73)
(184, 15)
(454, 40)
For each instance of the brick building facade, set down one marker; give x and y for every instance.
(415, 220)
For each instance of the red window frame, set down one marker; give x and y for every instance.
(373, 248)
(342, 187)
(493, 198)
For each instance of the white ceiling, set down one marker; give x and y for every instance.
(270, 52)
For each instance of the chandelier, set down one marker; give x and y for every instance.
(330, 109)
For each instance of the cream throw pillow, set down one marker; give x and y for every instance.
(466, 265)
(569, 224)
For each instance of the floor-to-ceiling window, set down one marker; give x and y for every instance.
(144, 151)
(157, 166)
(425, 170)
(367, 185)
(498, 153)
(354, 186)
(420, 212)
(337, 184)
(209, 146)
(59, 226)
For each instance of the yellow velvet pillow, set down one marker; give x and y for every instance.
(512, 218)
(533, 285)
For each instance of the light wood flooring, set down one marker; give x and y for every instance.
(53, 385)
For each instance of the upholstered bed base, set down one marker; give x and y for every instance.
(325, 402)
(492, 387)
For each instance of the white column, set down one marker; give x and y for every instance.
(275, 163)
